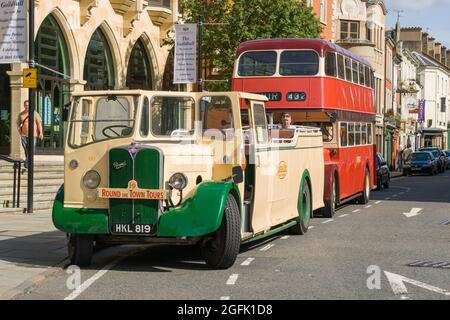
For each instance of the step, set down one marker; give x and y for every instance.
(50, 196)
(39, 182)
(37, 175)
(4, 170)
(6, 192)
(14, 211)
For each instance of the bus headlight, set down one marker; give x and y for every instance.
(91, 179)
(178, 181)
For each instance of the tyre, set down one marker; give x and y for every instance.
(365, 196)
(221, 251)
(330, 205)
(81, 248)
(305, 211)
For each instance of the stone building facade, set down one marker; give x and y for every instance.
(359, 25)
(92, 45)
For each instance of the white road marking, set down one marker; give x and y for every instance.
(378, 202)
(91, 280)
(267, 247)
(398, 286)
(224, 298)
(247, 262)
(357, 210)
(414, 212)
(343, 215)
(311, 227)
(329, 220)
(285, 237)
(232, 279)
(367, 207)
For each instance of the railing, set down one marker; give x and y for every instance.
(16, 183)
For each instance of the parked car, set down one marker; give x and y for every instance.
(421, 162)
(447, 154)
(383, 174)
(438, 153)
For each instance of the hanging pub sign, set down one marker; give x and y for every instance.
(13, 31)
(185, 53)
(421, 117)
(413, 105)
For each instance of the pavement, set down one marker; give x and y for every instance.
(31, 250)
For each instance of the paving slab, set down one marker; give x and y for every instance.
(31, 249)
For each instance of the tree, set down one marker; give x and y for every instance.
(244, 20)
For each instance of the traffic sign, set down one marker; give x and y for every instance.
(30, 78)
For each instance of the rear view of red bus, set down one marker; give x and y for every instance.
(319, 84)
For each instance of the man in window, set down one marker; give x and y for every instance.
(286, 121)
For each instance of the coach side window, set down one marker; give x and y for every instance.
(341, 67)
(351, 134)
(343, 134)
(330, 64)
(364, 134)
(357, 134)
(369, 134)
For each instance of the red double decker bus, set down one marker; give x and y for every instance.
(319, 84)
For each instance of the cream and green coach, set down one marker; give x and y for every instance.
(183, 168)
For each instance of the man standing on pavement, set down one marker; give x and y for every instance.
(22, 127)
(406, 152)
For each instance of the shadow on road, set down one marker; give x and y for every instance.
(35, 250)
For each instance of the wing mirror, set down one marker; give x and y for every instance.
(238, 174)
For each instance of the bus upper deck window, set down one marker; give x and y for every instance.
(330, 64)
(355, 72)
(341, 67)
(299, 63)
(361, 74)
(348, 69)
(257, 64)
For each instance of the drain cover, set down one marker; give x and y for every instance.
(430, 264)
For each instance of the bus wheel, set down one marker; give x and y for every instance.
(80, 249)
(305, 213)
(221, 251)
(365, 197)
(330, 205)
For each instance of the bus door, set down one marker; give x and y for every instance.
(260, 156)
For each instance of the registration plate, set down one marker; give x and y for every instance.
(122, 228)
(417, 169)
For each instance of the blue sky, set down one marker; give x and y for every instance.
(433, 15)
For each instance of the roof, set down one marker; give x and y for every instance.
(426, 61)
(318, 45)
(378, 2)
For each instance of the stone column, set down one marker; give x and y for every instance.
(18, 97)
